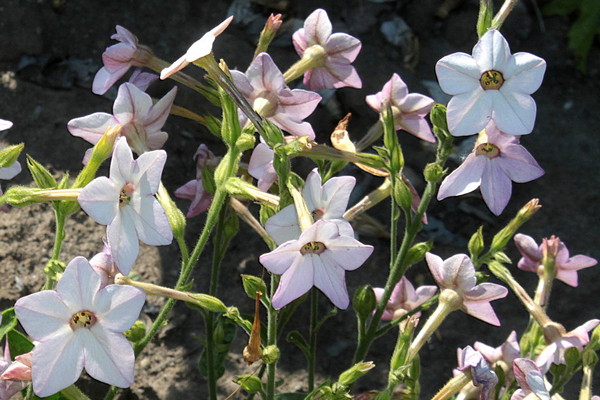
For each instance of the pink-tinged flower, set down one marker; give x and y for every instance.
(530, 379)
(9, 172)
(200, 48)
(320, 257)
(126, 204)
(481, 374)
(261, 166)
(328, 201)
(194, 189)
(492, 84)
(4, 124)
(18, 370)
(566, 267)
(458, 273)
(141, 120)
(118, 58)
(105, 266)
(506, 353)
(333, 53)
(554, 352)
(404, 298)
(409, 110)
(9, 385)
(78, 326)
(496, 160)
(264, 87)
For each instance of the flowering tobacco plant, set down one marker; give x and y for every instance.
(86, 315)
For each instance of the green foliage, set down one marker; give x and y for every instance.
(583, 29)
(9, 321)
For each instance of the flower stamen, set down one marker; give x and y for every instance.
(126, 192)
(313, 248)
(82, 319)
(491, 80)
(487, 149)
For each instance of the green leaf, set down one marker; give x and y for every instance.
(297, 338)
(9, 321)
(290, 396)
(18, 343)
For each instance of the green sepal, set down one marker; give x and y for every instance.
(41, 176)
(230, 127)
(9, 321)
(476, 243)
(136, 332)
(484, 18)
(364, 301)
(253, 284)
(207, 302)
(9, 154)
(417, 252)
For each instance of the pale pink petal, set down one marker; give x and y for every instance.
(263, 74)
(142, 80)
(123, 241)
(417, 126)
(281, 259)
(464, 179)
(4, 124)
(91, 127)
(296, 281)
(261, 165)
(492, 51)
(344, 72)
(100, 200)
(347, 252)
(124, 35)
(436, 266)
(458, 73)
(187, 191)
(284, 226)
(118, 56)
(482, 311)
(299, 41)
(131, 103)
(343, 45)
(151, 223)
(118, 306)
(292, 125)
(109, 356)
(335, 196)
(530, 252)
(330, 279)
(299, 103)
(104, 79)
(496, 187)
(203, 46)
(178, 65)
(514, 113)
(78, 287)
(470, 112)
(317, 27)
(158, 113)
(57, 363)
(519, 165)
(422, 294)
(415, 102)
(148, 168)
(524, 73)
(44, 314)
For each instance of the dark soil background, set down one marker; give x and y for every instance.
(50, 51)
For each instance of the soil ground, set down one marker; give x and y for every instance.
(50, 51)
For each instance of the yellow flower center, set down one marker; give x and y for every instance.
(82, 319)
(487, 149)
(491, 80)
(313, 248)
(126, 192)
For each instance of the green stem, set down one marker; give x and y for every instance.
(210, 355)
(314, 300)
(73, 393)
(59, 236)
(271, 340)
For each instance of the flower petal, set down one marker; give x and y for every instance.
(524, 73)
(317, 27)
(123, 241)
(464, 179)
(151, 223)
(284, 226)
(514, 113)
(343, 45)
(78, 286)
(296, 281)
(330, 279)
(91, 127)
(131, 103)
(158, 113)
(100, 200)
(458, 73)
(109, 356)
(57, 363)
(496, 187)
(492, 51)
(470, 112)
(43, 315)
(119, 306)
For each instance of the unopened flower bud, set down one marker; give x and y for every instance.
(433, 172)
(174, 214)
(417, 252)
(245, 142)
(250, 383)
(9, 155)
(523, 215)
(476, 243)
(136, 332)
(349, 376)
(41, 176)
(364, 301)
(403, 195)
(270, 354)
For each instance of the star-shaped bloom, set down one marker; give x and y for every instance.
(125, 202)
(530, 378)
(507, 352)
(264, 87)
(566, 266)
(320, 257)
(481, 374)
(335, 53)
(492, 84)
(118, 58)
(141, 120)
(328, 201)
(496, 160)
(458, 273)
(409, 109)
(201, 48)
(261, 166)
(78, 326)
(404, 298)
(554, 352)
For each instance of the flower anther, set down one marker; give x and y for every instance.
(313, 248)
(82, 319)
(487, 149)
(491, 80)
